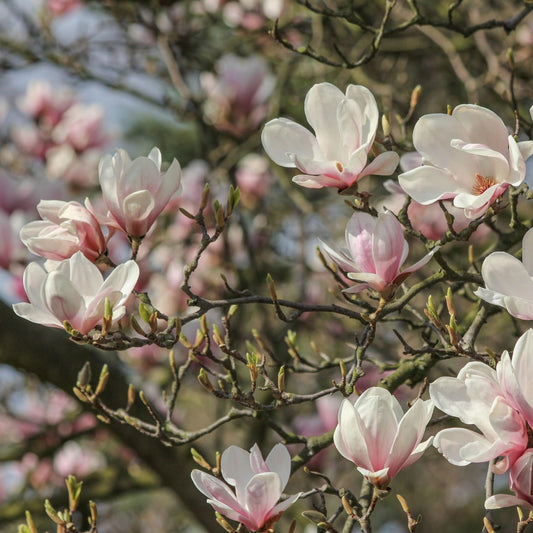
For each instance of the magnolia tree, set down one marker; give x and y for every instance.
(191, 320)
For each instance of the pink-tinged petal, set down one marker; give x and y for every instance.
(387, 246)
(410, 432)
(506, 275)
(317, 167)
(499, 501)
(380, 426)
(427, 184)
(256, 460)
(232, 514)
(279, 461)
(216, 490)
(383, 165)
(262, 493)
(281, 137)
(369, 111)
(358, 236)
(315, 182)
(527, 251)
(340, 258)
(354, 166)
(348, 436)
(379, 478)
(490, 161)
(320, 107)
(37, 315)
(373, 280)
(482, 126)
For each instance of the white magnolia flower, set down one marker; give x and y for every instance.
(469, 156)
(336, 156)
(136, 192)
(258, 484)
(75, 291)
(376, 435)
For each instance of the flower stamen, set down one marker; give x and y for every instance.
(482, 184)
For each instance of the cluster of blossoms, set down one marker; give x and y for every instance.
(466, 158)
(72, 288)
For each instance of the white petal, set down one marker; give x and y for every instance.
(427, 184)
(279, 461)
(320, 106)
(383, 165)
(281, 137)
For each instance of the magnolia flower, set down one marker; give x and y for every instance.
(66, 228)
(336, 156)
(136, 192)
(76, 292)
(376, 250)
(520, 482)
(476, 397)
(469, 156)
(509, 281)
(258, 484)
(378, 437)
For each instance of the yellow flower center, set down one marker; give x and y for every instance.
(482, 184)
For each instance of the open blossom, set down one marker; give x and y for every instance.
(336, 156)
(520, 482)
(76, 292)
(378, 437)
(477, 397)
(66, 228)
(136, 192)
(375, 251)
(468, 156)
(258, 484)
(509, 281)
